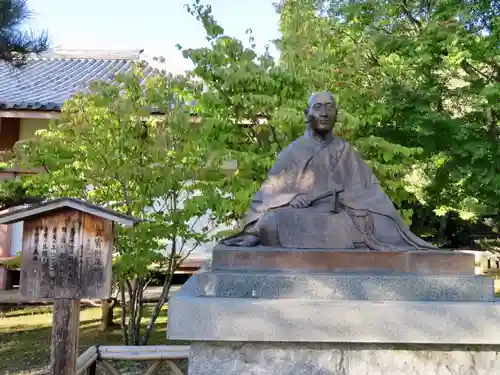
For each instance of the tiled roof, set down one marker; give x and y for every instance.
(46, 83)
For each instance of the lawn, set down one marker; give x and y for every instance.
(25, 336)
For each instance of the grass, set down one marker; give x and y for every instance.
(25, 336)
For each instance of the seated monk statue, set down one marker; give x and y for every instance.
(320, 194)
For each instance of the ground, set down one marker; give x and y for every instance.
(25, 337)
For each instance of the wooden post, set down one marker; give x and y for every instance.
(65, 334)
(66, 256)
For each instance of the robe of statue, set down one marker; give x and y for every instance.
(349, 208)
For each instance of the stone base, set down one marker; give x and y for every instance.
(342, 359)
(312, 312)
(302, 319)
(345, 287)
(266, 259)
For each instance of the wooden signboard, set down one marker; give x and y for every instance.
(66, 256)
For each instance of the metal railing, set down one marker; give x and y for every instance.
(100, 356)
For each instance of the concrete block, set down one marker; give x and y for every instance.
(345, 286)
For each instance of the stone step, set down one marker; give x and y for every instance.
(345, 286)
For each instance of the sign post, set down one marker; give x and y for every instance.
(66, 256)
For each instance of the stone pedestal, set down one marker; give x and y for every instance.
(266, 259)
(341, 359)
(404, 317)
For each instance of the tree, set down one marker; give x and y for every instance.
(250, 110)
(417, 84)
(15, 43)
(14, 192)
(108, 148)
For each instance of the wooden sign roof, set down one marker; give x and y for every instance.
(58, 204)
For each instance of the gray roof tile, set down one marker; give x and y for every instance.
(45, 84)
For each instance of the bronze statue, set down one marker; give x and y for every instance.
(321, 194)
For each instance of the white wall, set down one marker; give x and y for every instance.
(17, 238)
(30, 125)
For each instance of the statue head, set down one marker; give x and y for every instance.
(321, 113)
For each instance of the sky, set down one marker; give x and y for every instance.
(153, 25)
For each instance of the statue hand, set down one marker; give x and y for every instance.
(245, 240)
(300, 201)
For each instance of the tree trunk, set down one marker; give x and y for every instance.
(159, 304)
(442, 229)
(132, 305)
(123, 303)
(107, 308)
(138, 313)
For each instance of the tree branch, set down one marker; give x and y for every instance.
(410, 16)
(466, 64)
(126, 197)
(188, 253)
(164, 293)
(146, 284)
(124, 313)
(129, 288)
(138, 312)
(275, 137)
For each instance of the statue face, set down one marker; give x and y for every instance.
(322, 113)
